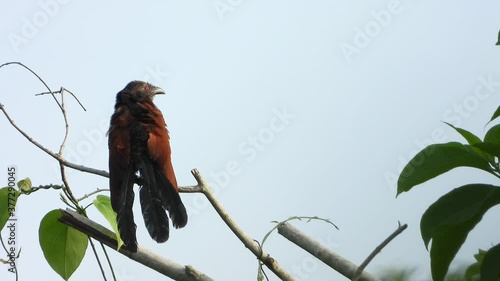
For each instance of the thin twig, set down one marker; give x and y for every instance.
(36, 75)
(77, 100)
(377, 250)
(278, 224)
(54, 155)
(60, 92)
(97, 258)
(65, 201)
(264, 257)
(3, 245)
(66, 189)
(36, 188)
(109, 261)
(8, 257)
(92, 193)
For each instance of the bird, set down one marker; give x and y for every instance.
(139, 152)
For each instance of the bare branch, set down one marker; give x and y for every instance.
(142, 256)
(60, 92)
(324, 254)
(190, 189)
(109, 261)
(308, 218)
(97, 259)
(250, 243)
(54, 155)
(67, 188)
(91, 193)
(379, 248)
(36, 75)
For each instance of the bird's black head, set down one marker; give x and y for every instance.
(137, 91)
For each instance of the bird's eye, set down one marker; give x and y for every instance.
(148, 88)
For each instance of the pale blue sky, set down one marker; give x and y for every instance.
(364, 85)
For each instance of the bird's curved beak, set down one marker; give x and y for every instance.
(157, 91)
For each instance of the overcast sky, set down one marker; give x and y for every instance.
(289, 108)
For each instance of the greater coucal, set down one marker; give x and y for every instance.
(139, 152)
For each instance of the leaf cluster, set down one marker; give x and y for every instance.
(448, 221)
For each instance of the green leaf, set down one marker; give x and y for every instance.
(490, 271)
(24, 185)
(495, 115)
(480, 255)
(437, 159)
(473, 140)
(493, 135)
(8, 199)
(103, 205)
(498, 42)
(63, 246)
(449, 220)
(488, 147)
(468, 136)
(473, 271)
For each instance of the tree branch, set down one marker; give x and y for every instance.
(92, 193)
(67, 188)
(36, 75)
(379, 248)
(54, 155)
(324, 254)
(142, 256)
(250, 243)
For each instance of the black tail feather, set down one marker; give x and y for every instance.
(124, 216)
(153, 211)
(171, 200)
(155, 217)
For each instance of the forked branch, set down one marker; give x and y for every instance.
(250, 243)
(377, 250)
(324, 254)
